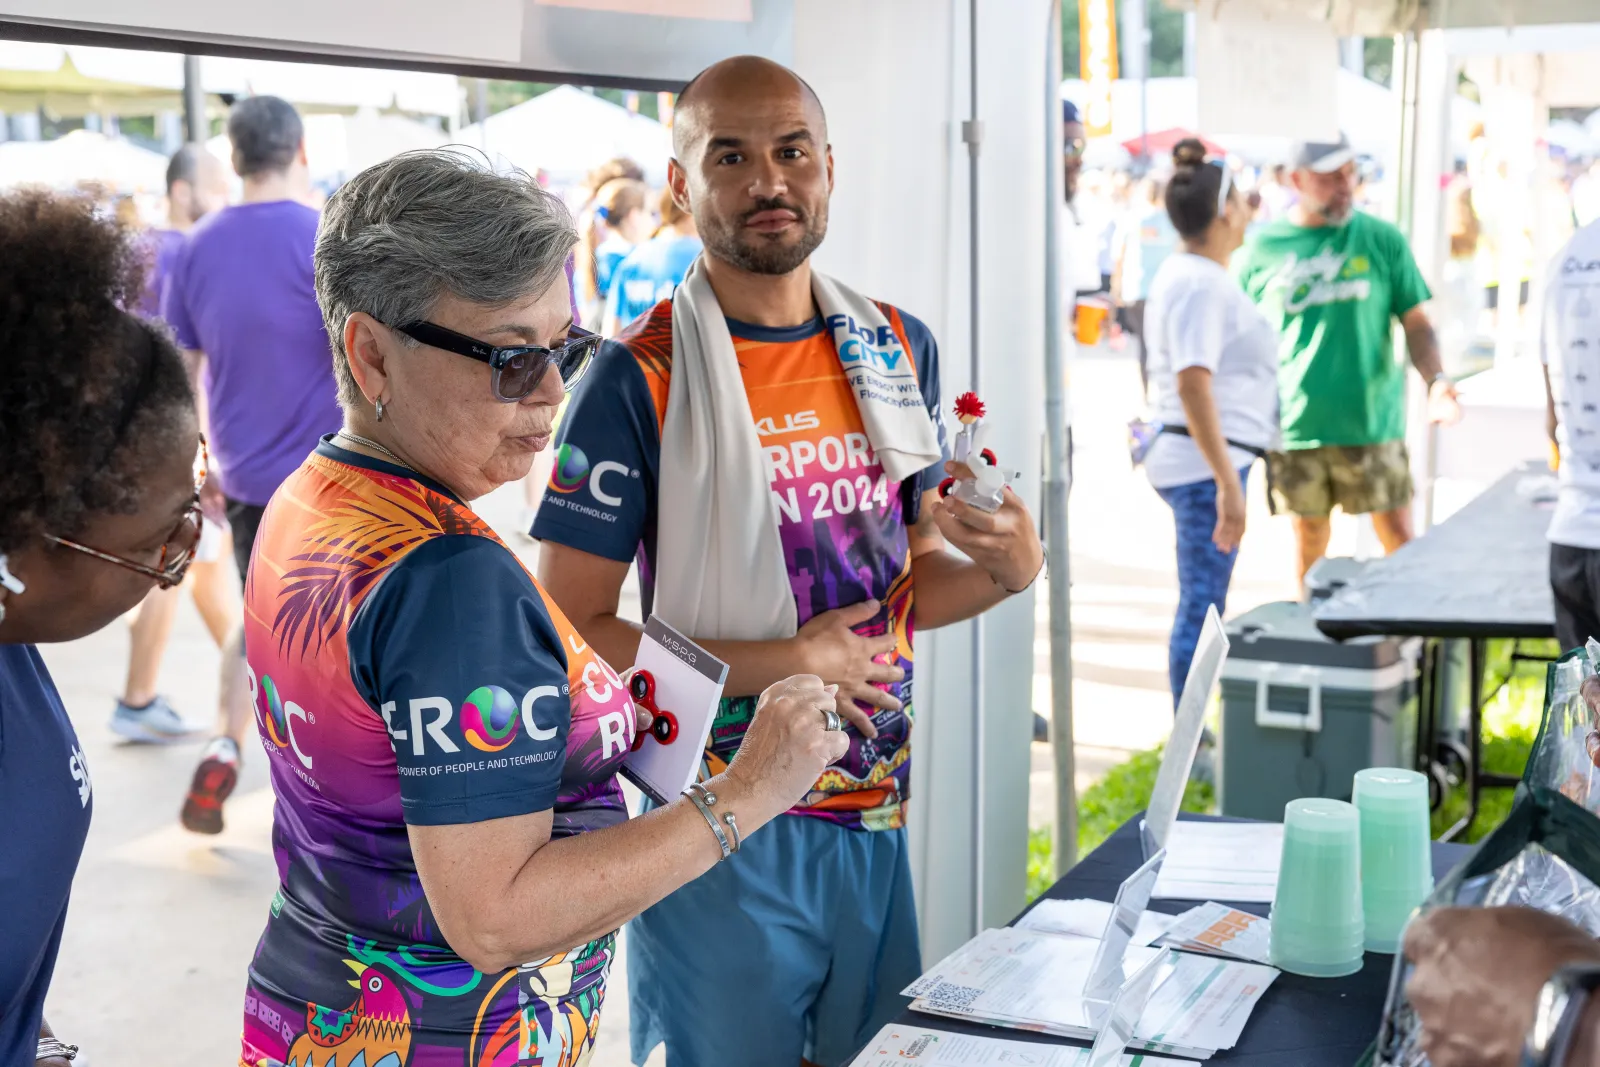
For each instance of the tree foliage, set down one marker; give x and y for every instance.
(1166, 40)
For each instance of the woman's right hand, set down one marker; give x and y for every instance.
(786, 747)
(1230, 515)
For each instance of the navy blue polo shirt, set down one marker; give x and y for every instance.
(45, 806)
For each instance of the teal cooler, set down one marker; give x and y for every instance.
(1301, 714)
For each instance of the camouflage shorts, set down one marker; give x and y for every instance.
(1364, 478)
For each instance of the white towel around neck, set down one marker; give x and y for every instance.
(720, 570)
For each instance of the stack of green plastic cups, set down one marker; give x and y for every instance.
(1317, 924)
(1396, 861)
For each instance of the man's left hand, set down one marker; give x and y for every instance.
(1477, 977)
(1444, 406)
(1006, 543)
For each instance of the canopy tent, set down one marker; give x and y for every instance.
(903, 228)
(82, 80)
(74, 79)
(1162, 142)
(905, 215)
(83, 157)
(566, 132)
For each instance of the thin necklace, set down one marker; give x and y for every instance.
(375, 446)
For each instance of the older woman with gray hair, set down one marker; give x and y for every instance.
(453, 850)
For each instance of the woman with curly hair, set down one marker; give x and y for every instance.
(99, 502)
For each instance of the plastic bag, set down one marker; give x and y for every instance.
(1566, 752)
(1546, 855)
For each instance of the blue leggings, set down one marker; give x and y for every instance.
(1203, 572)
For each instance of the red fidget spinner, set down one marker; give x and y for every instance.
(663, 724)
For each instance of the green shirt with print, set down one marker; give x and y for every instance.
(1332, 293)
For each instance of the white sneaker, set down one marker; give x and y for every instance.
(155, 723)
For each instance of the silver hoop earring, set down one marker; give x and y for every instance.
(379, 405)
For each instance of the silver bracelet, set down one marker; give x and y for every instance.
(727, 817)
(703, 798)
(49, 1047)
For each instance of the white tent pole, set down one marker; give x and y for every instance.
(1057, 472)
(972, 134)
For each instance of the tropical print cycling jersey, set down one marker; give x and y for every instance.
(842, 523)
(407, 670)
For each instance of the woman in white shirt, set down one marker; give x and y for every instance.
(1214, 390)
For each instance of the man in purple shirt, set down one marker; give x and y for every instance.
(242, 304)
(197, 185)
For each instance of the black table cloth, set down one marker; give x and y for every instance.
(1482, 573)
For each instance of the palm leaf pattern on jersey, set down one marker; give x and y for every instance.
(374, 520)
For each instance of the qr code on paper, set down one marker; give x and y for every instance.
(947, 996)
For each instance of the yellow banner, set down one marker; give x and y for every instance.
(1097, 50)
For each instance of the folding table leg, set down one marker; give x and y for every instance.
(1430, 693)
(1478, 653)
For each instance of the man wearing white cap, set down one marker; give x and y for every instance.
(1332, 280)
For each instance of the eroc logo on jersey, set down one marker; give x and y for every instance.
(572, 470)
(489, 718)
(571, 467)
(278, 715)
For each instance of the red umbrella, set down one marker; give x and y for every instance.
(1162, 141)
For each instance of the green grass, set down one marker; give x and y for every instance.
(1510, 723)
(1106, 805)
(1511, 720)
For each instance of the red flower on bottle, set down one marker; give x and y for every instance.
(968, 406)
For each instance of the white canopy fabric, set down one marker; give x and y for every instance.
(308, 84)
(566, 132)
(82, 156)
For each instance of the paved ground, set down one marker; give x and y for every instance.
(163, 923)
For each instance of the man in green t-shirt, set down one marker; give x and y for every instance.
(1332, 280)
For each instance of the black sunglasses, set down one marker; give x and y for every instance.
(517, 369)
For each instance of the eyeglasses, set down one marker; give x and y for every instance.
(517, 369)
(177, 551)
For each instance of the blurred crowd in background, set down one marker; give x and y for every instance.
(1120, 234)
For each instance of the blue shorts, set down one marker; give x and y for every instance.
(797, 946)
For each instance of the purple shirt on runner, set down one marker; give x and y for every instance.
(163, 247)
(241, 292)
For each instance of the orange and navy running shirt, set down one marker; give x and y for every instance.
(842, 523)
(405, 669)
